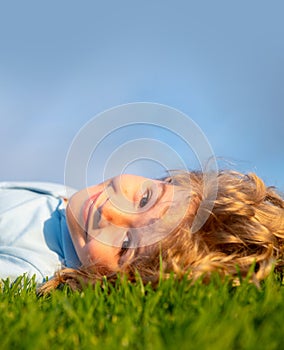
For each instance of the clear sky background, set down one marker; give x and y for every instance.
(62, 62)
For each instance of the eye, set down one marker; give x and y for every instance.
(168, 180)
(145, 199)
(125, 244)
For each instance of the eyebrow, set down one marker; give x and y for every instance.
(158, 200)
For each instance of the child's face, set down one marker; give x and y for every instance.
(98, 217)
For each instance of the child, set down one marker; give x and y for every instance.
(131, 223)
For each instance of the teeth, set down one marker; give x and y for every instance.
(89, 205)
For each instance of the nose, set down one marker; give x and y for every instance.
(120, 205)
(126, 185)
(122, 192)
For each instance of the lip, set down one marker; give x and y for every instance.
(89, 203)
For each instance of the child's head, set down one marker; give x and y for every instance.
(131, 224)
(109, 221)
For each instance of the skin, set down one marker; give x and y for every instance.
(98, 217)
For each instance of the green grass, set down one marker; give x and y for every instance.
(131, 316)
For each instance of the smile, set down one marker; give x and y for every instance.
(88, 206)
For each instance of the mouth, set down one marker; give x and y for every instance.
(88, 206)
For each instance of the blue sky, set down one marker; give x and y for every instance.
(219, 62)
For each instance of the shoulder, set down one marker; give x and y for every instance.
(48, 188)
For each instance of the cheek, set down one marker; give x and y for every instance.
(95, 251)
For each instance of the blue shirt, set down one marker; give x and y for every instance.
(34, 237)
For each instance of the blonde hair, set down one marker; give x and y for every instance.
(244, 228)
